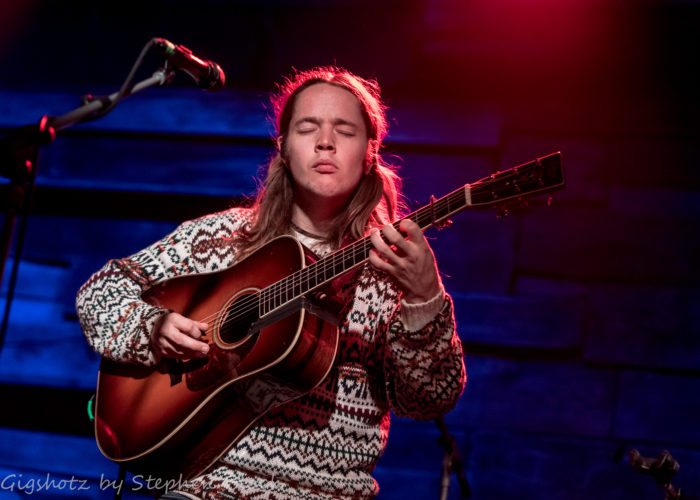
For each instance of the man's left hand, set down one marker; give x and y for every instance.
(409, 259)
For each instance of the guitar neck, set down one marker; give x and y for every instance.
(349, 257)
(539, 176)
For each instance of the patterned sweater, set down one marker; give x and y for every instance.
(326, 443)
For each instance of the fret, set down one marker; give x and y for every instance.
(261, 303)
(313, 277)
(326, 272)
(275, 295)
(278, 292)
(303, 280)
(313, 274)
(349, 257)
(338, 262)
(296, 285)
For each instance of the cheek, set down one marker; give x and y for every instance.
(355, 175)
(297, 173)
(364, 159)
(293, 156)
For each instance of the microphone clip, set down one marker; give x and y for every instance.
(207, 74)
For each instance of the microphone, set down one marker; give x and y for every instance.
(207, 74)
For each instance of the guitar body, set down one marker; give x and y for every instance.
(179, 417)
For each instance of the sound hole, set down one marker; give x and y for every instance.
(237, 318)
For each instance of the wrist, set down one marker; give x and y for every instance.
(427, 296)
(415, 316)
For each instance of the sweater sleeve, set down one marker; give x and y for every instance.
(424, 368)
(116, 322)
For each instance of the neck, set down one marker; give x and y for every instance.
(317, 220)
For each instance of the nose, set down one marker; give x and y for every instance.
(324, 141)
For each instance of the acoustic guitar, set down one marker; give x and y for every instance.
(272, 338)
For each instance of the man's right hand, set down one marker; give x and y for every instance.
(175, 336)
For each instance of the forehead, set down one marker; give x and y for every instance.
(326, 101)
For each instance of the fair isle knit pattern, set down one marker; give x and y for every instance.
(325, 444)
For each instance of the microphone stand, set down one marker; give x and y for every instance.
(451, 462)
(19, 157)
(99, 104)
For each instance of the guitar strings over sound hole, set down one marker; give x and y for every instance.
(237, 318)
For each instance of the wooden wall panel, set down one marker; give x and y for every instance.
(547, 396)
(658, 407)
(653, 327)
(592, 244)
(533, 321)
(169, 164)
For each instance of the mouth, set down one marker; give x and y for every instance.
(325, 167)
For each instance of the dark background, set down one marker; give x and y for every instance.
(579, 320)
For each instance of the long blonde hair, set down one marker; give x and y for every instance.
(376, 201)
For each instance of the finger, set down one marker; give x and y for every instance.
(177, 336)
(190, 327)
(170, 350)
(163, 348)
(189, 344)
(396, 238)
(417, 238)
(193, 330)
(184, 346)
(377, 261)
(412, 230)
(380, 245)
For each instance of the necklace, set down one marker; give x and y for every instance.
(307, 233)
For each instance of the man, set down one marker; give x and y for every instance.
(398, 349)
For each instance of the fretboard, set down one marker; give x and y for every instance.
(343, 260)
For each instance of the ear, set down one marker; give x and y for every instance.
(371, 155)
(280, 149)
